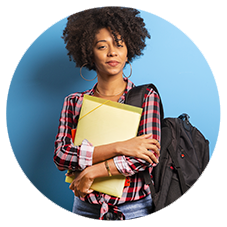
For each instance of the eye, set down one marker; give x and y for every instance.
(101, 47)
(120, 43)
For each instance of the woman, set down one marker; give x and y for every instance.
(104, 40)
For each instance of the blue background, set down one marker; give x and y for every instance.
(45, 76)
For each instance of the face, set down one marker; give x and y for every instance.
(109, 57)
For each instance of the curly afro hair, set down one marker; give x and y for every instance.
(82, 27)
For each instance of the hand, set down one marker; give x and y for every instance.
(82, 183)
(73, 174)
(139, 147)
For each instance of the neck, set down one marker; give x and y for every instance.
(111, 86)
(110, 89)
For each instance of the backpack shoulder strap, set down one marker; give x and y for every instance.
(136, 95)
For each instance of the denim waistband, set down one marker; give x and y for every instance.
(132, 209)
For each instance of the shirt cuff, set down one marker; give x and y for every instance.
(122, 166)
(85, 157)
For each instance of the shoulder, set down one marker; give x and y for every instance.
(151, 97)
(151, 91)
(75, 99)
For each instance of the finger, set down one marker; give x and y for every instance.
(89, 191)
(83, 194)
(70, 174)
(71, 186)
(155, 142)
(154, 148)
(76, 192)
(151, 146)
(146, 136)
(147, 156)
(152, 157)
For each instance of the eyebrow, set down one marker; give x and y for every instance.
(100, 41)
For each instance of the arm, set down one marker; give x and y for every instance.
(135, 147)
(140, 145)
(66, 155)
(150, 123)
(83, 181)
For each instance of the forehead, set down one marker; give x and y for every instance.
(105, 34)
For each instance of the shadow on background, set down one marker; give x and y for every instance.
(40, 83)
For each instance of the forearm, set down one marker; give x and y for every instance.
(82, 183)
(130, 156)
(99, 170)
(105, 152)
(71, 157)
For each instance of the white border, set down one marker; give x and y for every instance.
(145, 7)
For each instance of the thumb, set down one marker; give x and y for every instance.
(89, 191)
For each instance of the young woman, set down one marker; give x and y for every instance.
(105, 40)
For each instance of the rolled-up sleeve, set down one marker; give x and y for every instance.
(66, 155)
(86, 154)
(150, 123)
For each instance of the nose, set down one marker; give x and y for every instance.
(112, 52)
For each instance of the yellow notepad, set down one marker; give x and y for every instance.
(102, 122)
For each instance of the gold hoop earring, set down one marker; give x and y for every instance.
(82, 75)
(130, 71)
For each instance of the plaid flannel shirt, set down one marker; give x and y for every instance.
(68, 156)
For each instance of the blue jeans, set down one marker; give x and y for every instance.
(134, 209)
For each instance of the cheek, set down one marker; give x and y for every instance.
(98, 62)
(98, 59)
(124, 54)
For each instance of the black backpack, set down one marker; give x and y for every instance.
(183, 157)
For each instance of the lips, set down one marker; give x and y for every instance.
(113, 63)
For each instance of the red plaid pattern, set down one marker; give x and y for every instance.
(68, 156)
